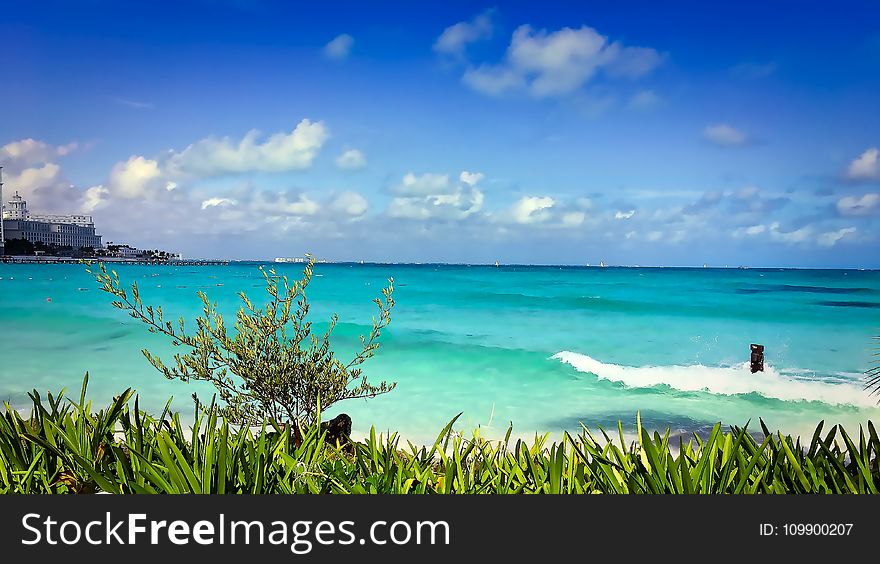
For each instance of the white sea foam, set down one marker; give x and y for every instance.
(724, 380)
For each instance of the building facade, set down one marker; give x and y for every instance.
(75, 231)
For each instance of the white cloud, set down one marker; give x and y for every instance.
(751, 230)
(801, 235)
(408, 208)
(798, 236)
(573, 219)
(559, 62)
(139, 189)
(430, 195)
(724, 135)
(459, 204)
(28, 169)
(280, 152)
(493, 80)
(27, 152)
(423, 185)
(176, 187)
(562, 60)
(339, 47)
(465, 202)
(142, 177)
(135, 177)
(280, 205)
(545, 213)
(866, 167)
(44, 188)
(351, 159)
(470, 178)
(216, 202)
(94, 198)
(438, 203)
(32, 179)
(830, 238)
(532, 209)
(456, 37)
(350, 203)
(866, 205)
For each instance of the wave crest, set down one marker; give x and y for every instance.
(722, 380)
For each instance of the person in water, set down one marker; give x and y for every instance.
(757, 361)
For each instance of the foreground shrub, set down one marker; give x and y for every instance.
(67, 447)
(272, 367)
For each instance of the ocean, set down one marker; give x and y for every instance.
(544, 348)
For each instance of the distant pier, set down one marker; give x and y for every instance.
(69, 260)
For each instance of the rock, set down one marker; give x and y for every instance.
(338, 432)
(338, 429)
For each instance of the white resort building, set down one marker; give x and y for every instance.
(76, 231)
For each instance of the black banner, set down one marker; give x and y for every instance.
(395, 528)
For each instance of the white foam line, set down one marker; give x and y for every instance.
(722, 380)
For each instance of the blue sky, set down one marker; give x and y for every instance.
(632, 133)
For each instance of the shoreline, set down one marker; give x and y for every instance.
(111, 260)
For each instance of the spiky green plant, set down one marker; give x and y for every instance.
(64, 446)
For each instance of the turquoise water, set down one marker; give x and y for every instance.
(542, 347)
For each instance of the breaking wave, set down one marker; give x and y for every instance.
(722, 380)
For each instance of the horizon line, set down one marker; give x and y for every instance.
(576, 265)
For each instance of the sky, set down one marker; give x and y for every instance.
(685, 133)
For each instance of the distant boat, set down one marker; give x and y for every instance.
(602, 263)
(496, 263)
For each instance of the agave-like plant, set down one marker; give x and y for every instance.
(64, 446)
